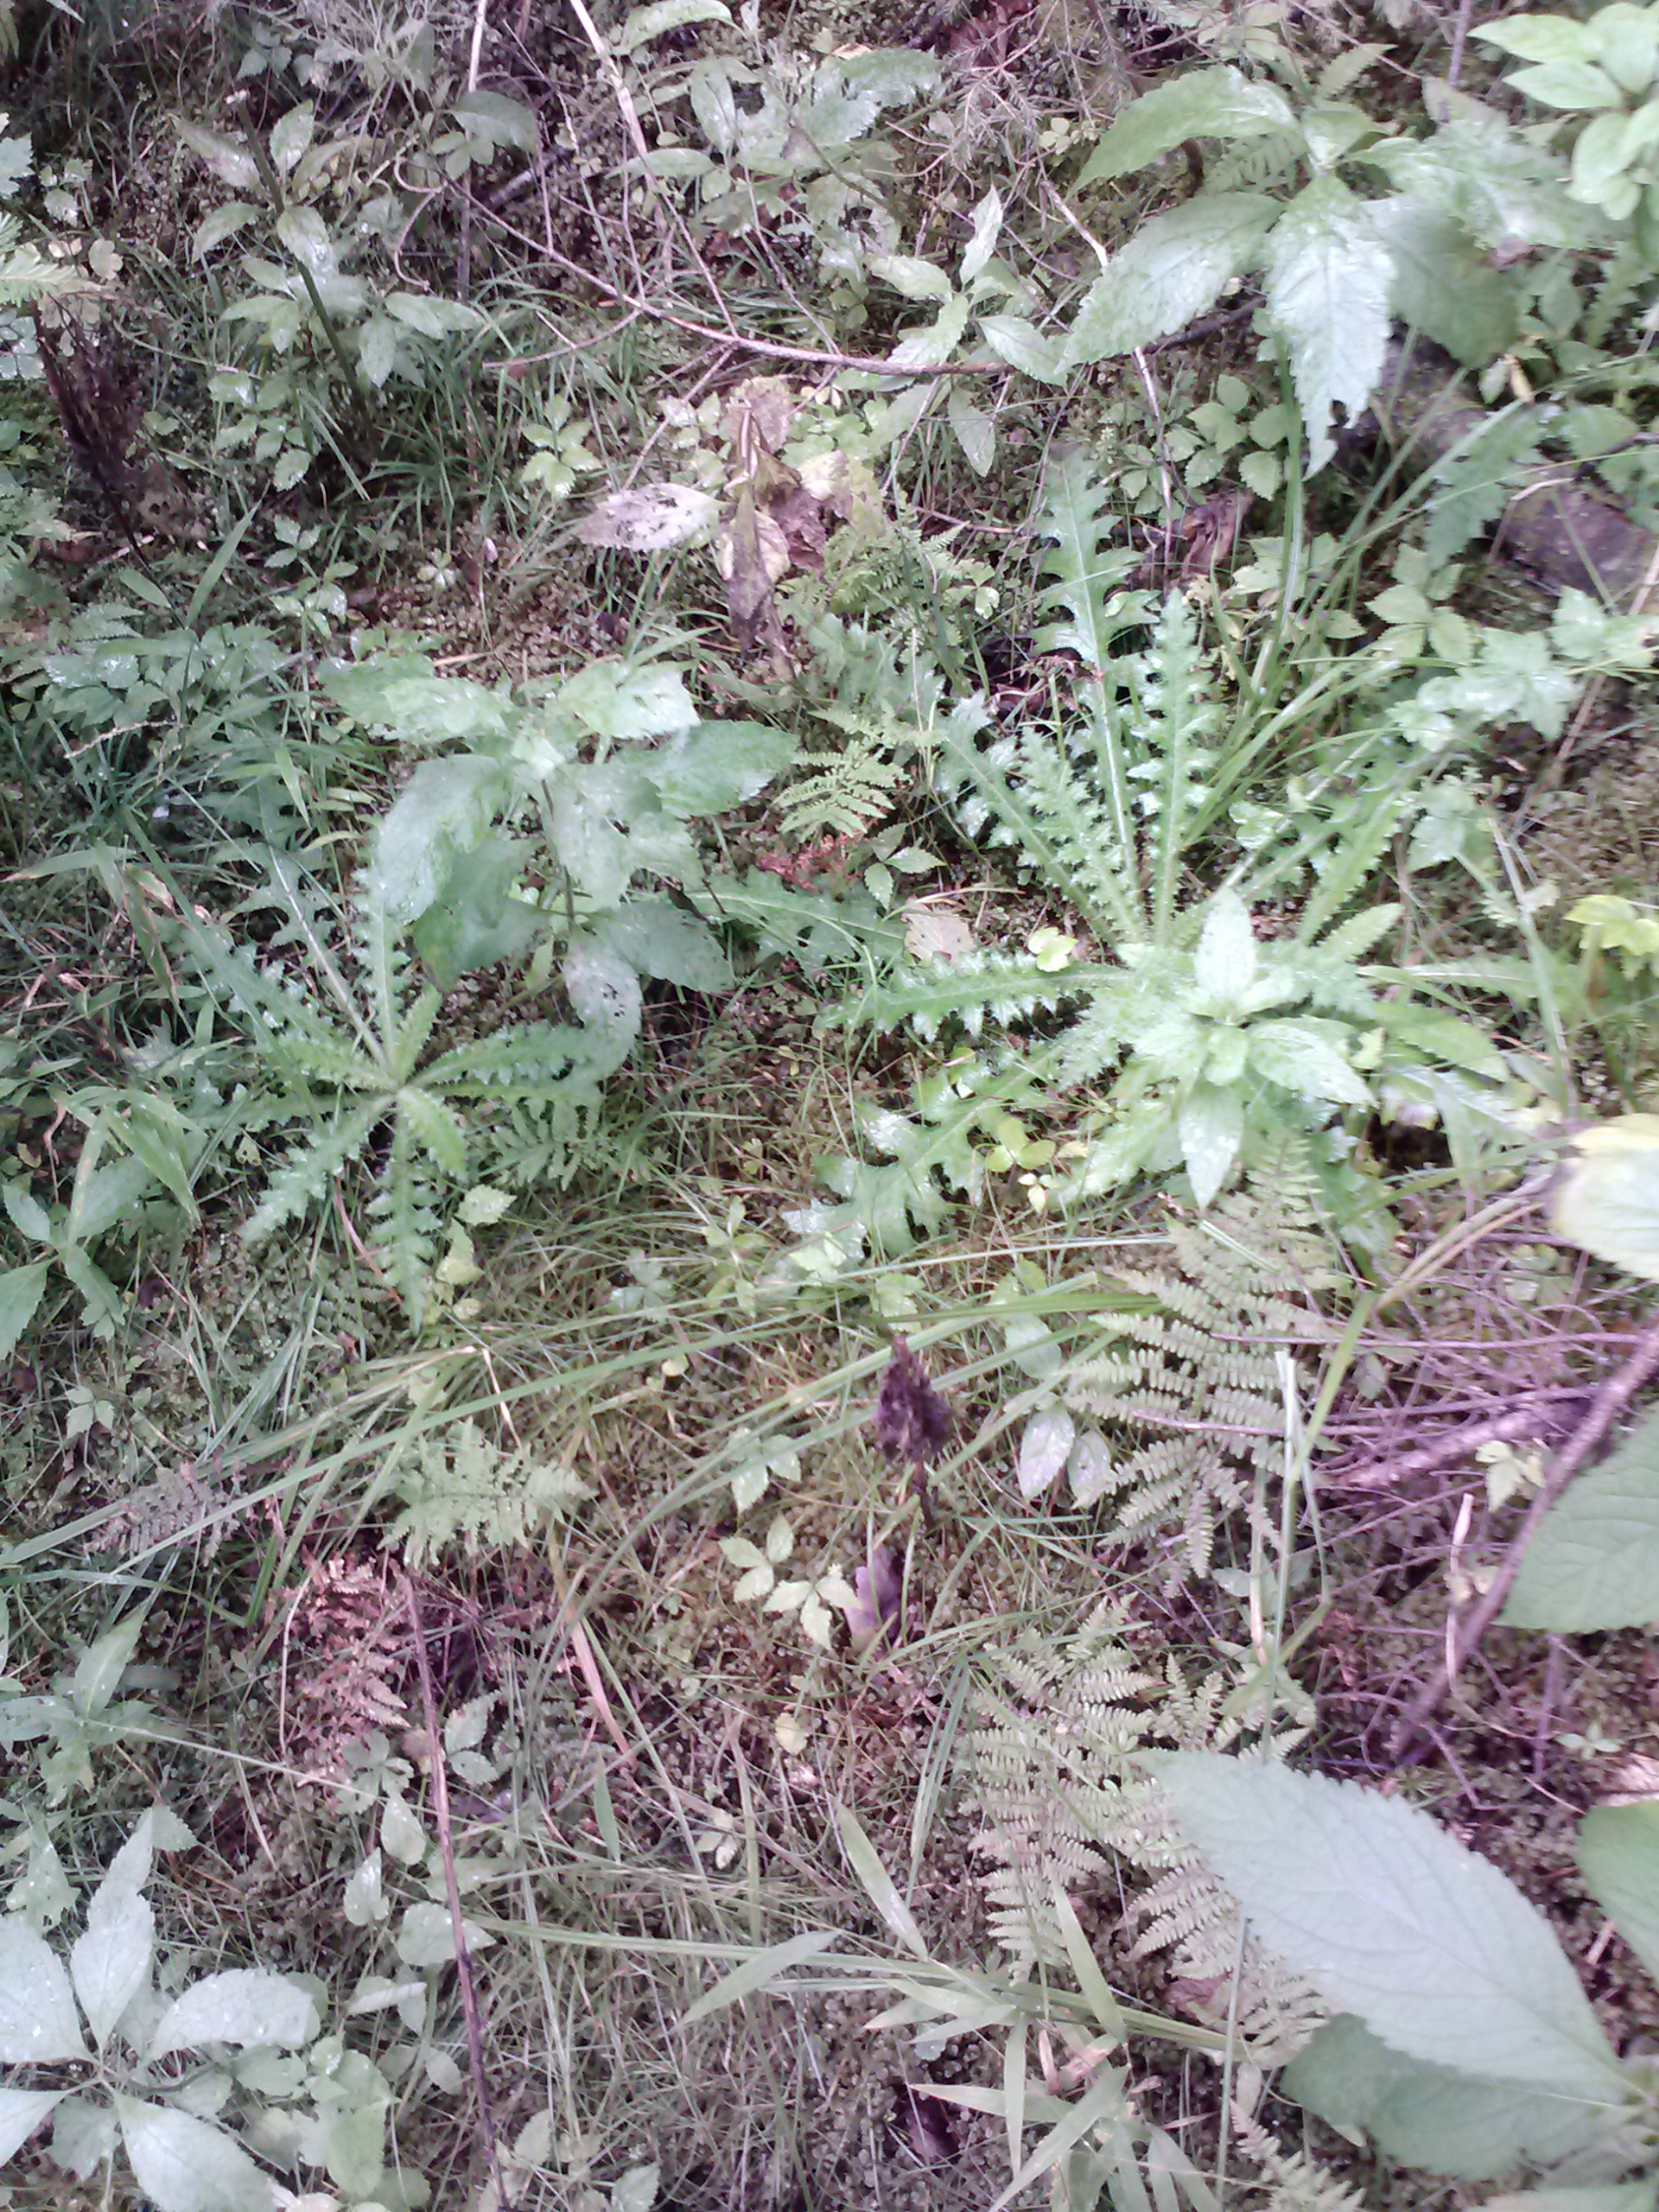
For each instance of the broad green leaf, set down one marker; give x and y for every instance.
(223, 223)
(185, 2166)
(644, 24)
(1568, 84)
(83, 2137)
(111, 1963)
(1206, 104)
(1542, 38)
(376, 349)
(636, 2191)
(718, 766)
(988, 225)
(432, 318)
(291, 134)
(1485, 176)
(604, 992)
(244, 2006)
(1023, 346)
(442, 811)
(1327, 297)
(1594, 1564)
(1608, 1200)
(477, 922)
(615, 701)
(916, 280)
(1044, 1447)
(1427, 2116)
(305, 234)
(1171, 270)
(426, 1936)
(1210, 1127)
(1618, 1854)
(756, 1974)
(661, 940)
(403, 692)
(21, 1292)
(401, 1832)
(22, 2112)
(974, 430)
(101, 1668)
(504, 122)
(1441, 285)
(1297, 1055)
(27, 1216)
(925, 348)
(103, 1198)
(877, 1883)
(1388, 1918)
(38, 2022)
(1224, 964)
(714, 104)
(228, 158)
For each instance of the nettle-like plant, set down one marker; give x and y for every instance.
(611, 771)
(1337, 265)
(118, 2064)
(317, 316)
(1462, 2041)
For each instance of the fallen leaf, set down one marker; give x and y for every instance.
(648, 519)
(758, 413)
(752, 554)
(800, 518)
(934, 932)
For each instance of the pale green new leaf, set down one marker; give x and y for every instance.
(1171, 270)
(242, 2006)
(1327, 297)
(1618, 1854)
(1206, 104)
(1210, 1126)
(38, 2022)
(1594, 1564)
(185, 2166)
(111, 1961)
(1388, 1918)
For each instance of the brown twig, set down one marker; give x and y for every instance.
(440, 1781)
(1466, 1631)
(860, 363)
(1456, 1444)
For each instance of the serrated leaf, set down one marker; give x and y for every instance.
(1389, 1919)
(636, 2191)
(720, 765)
(1173, 268)
(21, 1292)
(22, 2112)
(1428, 2117)
(1296, 1055)
(111, 1963)
(376, 349)
(1205, 103)
(1618, 1855)
(185, 2166)
(442, 810)
(291, 134)
(1594, 1563)
(1440, 285)
(244, 2006)
(1608, 1200)
(38, 2022)
(1327, 297)
(426, 1936)
(1224, 964)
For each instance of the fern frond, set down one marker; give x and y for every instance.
(1004, 986)
(457, 1487)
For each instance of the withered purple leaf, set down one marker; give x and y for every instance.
(911, 1419)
